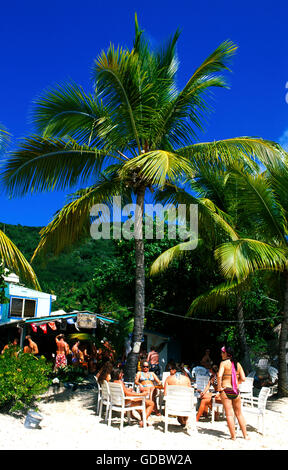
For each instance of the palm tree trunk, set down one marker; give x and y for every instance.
(139, 311)
(242, 334)
(282, 366)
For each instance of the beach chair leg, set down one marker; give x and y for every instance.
(191, 423)
(106, 413)
(129, 417)
(109, 416)
(100, 408)
(261, 421)
(166, 423)
(121, 420)
(144, 417)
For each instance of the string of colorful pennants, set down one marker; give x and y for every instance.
(43, 327)
(51, 324)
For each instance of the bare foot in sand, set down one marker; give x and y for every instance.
(142, 425)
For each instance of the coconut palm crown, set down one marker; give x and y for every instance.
(136, 131)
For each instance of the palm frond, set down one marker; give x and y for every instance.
(222, 221)
(278, 180)
(121, 83)
(240, 258)
(218, 296)
(4, 139)
(213, 223)
(47, 164)
(137, 85)
(251, 150)
(167, 257)
(68, 110)
(190, 103)
(73, 222)
(14, 260)
(257, 200)
(157, 166)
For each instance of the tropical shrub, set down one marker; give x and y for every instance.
(22, 378)
(71, 374)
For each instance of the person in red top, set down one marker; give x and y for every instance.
(153, 359)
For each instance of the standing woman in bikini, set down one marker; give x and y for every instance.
(231, 374)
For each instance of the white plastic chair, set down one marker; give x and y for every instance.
(199, 370)
(260, 409)
(218, 407)
(104, 399)
(179, 401)
(118, 403)
(99, 396)
(246, 390)
(164, 377)
(201, 382)
(263, 363)
(273, 373)
(130, 385)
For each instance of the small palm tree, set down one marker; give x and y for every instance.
(134, 133)
(10, 257)
(217, 223)
(256, 203)
(263, 200)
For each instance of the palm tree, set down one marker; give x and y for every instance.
(10, 257)
(217, 222)
(263, 199)
(255, 204)
(134, 133)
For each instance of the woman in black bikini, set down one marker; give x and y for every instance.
(229, 376)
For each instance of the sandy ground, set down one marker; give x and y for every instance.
(70, 423)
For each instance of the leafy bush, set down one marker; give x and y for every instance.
(22, 378)
(70, 374)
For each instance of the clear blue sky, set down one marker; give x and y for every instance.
(43, 43)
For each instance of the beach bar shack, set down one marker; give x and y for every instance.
(23, 303)
(30, 311)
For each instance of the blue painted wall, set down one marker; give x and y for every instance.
(42, 299)
(4, 308)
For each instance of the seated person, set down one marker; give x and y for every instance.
(146, 382)
(177, 377)
(117, 377)
(105, 372)
(206, 396)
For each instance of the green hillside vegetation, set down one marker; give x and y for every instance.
(98, 275)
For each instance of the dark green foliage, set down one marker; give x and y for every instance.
(99, 275)
(22, 378)
(3, 298)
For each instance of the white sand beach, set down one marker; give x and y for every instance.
(70, 423)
